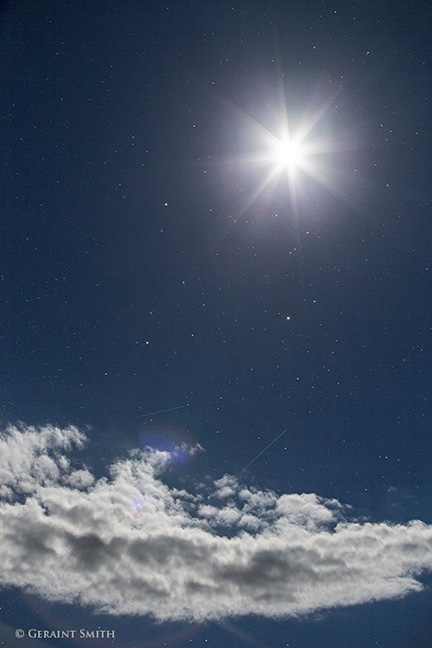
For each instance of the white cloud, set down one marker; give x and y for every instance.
(130, 544)
(31, 457)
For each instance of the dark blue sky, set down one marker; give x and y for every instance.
(142, 270)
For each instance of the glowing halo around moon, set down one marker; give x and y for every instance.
(287, 156)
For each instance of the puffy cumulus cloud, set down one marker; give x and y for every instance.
(130, 544)
(30, 458)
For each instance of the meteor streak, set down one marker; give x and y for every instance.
(266, 448)
(170, 409)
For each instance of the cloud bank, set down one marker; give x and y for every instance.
(130, 544)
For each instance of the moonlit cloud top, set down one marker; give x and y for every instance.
(130, 544)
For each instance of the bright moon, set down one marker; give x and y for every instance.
(283, 158)
(288, 153)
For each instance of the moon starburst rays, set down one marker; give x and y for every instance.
(288, 156)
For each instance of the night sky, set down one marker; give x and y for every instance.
(175, 297)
